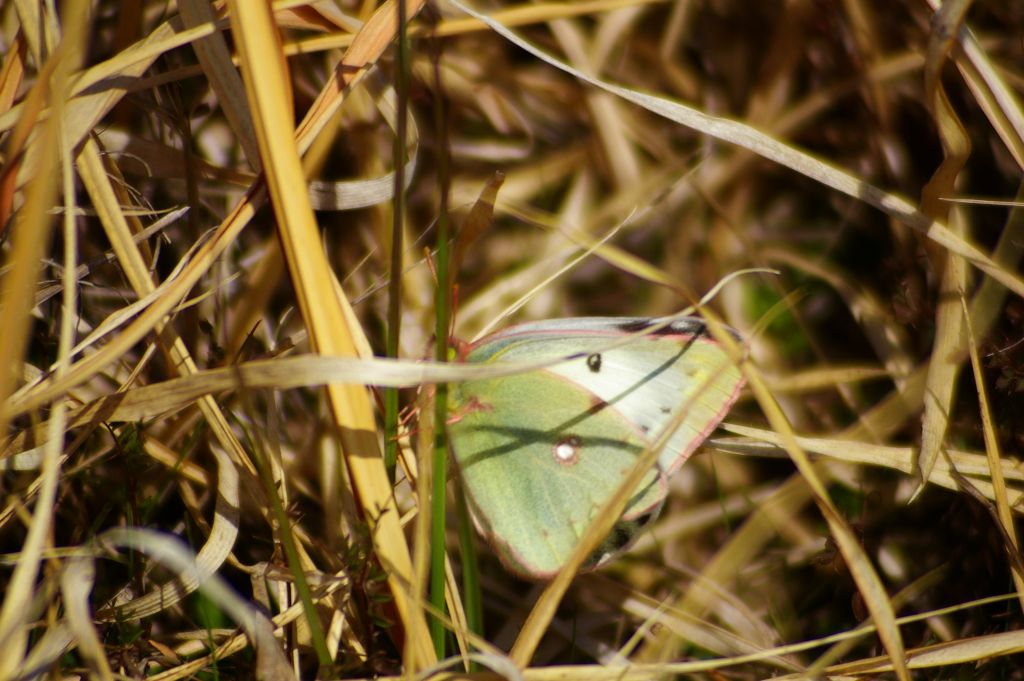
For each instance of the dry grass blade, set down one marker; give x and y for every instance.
(899, 458)
(76, 584)
(995, 458)
(304, 371)
(218, 545)
(868, 582)
(132, 260)
(724, 568)
(32, 233)
(270, 661)
(888, 338)
(942, 655)
(786, 155)
(325, 313)
(215, 59)
(990, 90)
(948, 353)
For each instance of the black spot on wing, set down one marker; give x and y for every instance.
(634, 325)
(686, 326)
(594, 362)
(690, 326)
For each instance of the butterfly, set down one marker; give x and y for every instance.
(540, 452)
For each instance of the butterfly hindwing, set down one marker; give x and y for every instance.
(535, 477)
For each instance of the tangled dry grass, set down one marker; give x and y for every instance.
(200, 265)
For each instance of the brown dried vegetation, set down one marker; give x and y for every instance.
(168, 283)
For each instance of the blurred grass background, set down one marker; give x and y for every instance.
(139, 246)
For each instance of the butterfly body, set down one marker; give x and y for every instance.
(540, 452)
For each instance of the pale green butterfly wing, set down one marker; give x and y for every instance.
(540, 452)
(534, 481)
(677, 367)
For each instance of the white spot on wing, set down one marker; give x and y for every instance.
(567, 451)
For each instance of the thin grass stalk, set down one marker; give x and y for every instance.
(397, 241)
(472, 593)
(992, 451)
(316, 633)
(32, 233)
(442, 312)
